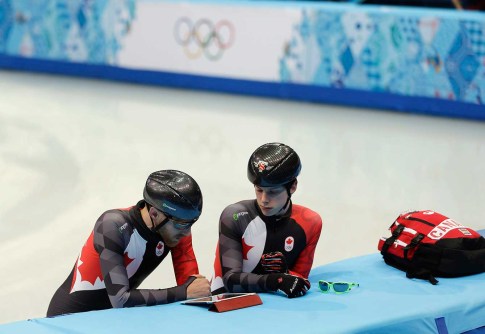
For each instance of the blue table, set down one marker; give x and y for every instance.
(385, 302)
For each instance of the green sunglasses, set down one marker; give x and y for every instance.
(337, 287)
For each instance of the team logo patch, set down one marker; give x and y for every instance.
(165, 205)
(122, 228)
(160, 248)
(289, 243)
(236, 215)
(261, 165)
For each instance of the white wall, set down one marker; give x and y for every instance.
(72, 148)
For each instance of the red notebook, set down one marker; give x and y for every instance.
(227, 301)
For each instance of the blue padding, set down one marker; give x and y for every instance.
(441, 325)
(385, 302)
(309, 93)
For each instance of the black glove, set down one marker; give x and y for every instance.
(291, 286)
(274, 262)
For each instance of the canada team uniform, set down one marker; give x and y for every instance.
(118, 255)
(245, 234)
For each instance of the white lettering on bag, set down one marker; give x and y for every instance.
(444, 227)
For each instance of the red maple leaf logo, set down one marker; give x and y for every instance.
(289, 241)
(127, 260)
(90, 269)
(245, 249)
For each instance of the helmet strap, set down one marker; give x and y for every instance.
(159, 226)
(155, 228)
(285, 207)
(288, 187)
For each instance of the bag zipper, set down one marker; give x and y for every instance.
(421, 221)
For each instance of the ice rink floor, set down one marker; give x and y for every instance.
(73, 148)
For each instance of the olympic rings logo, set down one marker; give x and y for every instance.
(204, 37)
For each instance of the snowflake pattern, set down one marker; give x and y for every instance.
(402, 54)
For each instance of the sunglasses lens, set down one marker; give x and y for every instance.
(182, 226)
(323, 286)
(341, 287)
(179, 223)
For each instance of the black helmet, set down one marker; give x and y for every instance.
(273, 164)
(174, 193)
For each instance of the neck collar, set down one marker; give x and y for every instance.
(274, 218)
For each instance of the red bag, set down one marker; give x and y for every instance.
(426, 244)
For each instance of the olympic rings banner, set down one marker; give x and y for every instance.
(430, 61)
(204, 38)
(233, 41)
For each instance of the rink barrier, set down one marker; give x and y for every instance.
(429, 61)
(297, 92)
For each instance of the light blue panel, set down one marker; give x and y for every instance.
(74, 30)
(411, 53)
(385, 302)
